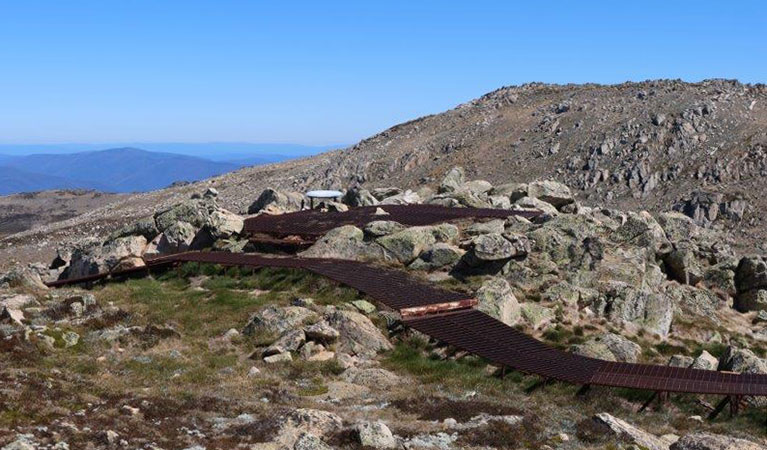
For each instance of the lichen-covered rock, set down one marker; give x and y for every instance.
(642, 230)
(625, 430)
(371, 377)
(496, 247)
(375, 435)
(177, 237)
(708, 441)
(223, 224)
(493, 226)
(680, 361)
(536, 315)
(438, 256)
(346, 242)
(690, 302)
(621, 302)
(322, 332)
(290, 341)
(193, 212)
(408, 244)
(275, 202)
(609, 347)
(741, 360)
(683, 266)
(534, 204)
(406, 198)
(359, 197)
(705, 361)
(453, 181)
(22, 277)
(552, 192)
(277, 320)
(497, 300)
(379, 228)
(755, 300)
(358, 335)
(143, 227)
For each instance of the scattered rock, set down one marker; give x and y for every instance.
(375, 435)
(624, 430)
(609, 347)
(708, 441)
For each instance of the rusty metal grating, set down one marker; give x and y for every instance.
(313, 222)
(475, 331)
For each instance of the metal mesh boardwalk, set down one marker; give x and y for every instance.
(478, 333)
(314, 223)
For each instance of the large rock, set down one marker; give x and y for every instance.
(551, 192)
(751, 284)
(194, 212)
(439, 256)
(534, 204)
(144, 227)
(678, 227)
(359, 197)
(453, 181)
(408, 244)
(609, 347)
(741, 360)
(177, 237)
(495, 247)
(642, 230)
(91, 258)
(692, 303)
(379, 228)
(624, 430)
(275, 320)
(406, 198)
(358, 335)
(708, 441)
(346, 242)
(650, 310)
(306, 421)
(705, 361)
(375, 435)
(276, 202)
(497, 300)
(683, 266)
(22, 278)
(706, 207)
(223, 224)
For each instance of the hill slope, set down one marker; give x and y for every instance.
(634, 145)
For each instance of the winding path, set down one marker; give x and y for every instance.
(450, 317)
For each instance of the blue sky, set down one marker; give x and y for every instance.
(332, 72)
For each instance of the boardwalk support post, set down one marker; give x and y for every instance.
(719, 407)
(649, 400)
(583, 390)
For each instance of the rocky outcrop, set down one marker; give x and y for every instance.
(625, 431)
(497, 300)
(708, 441)
(272, 201)
(706, 207)
(609, 347)
(751, 284)
(358, 335)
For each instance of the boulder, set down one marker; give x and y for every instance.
(706, 207)
(691, 302)
(438, 256)
(22, 278)
(496, 299)
(375, 435)
(493, 226)
(683, 266)
(177, 237)
(275, 202)
(624, 430)
(680, 361)
(453, 181)
(514, 191)
(290, 341)
(308, 441)
(144, 227)
(303, 420)
(751, 275)
(223, 224)
(379, 228)
(372, 377)
(642, 230)
(609, 347)
(382, 193)
(346, 242)
(359, 197)
(358, 335)
(406, 198)
(678, 227)
(193, 212)
(534, 204)
(495, 247)
(536, 315)
(408, 244)
(551, 192)
(277, 320)
(705, 361)
(751, 301)
(622, 303)
(708, 441)
(741, 360)
(322, 332)
(478, 187)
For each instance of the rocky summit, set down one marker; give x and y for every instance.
(205, 356)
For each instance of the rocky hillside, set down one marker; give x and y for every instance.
(278, 359)
(654, 145)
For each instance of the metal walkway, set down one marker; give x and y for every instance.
(448, 316)
(314, 223)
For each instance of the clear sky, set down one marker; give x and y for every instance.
(324, 72)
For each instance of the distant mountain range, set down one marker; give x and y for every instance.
(119, 169)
